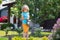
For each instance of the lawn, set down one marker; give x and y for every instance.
(3, 38)
(3, 33)
(20, 38)
(45, 33)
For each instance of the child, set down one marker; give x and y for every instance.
(25, 18)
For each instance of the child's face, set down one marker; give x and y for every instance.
(25, 10)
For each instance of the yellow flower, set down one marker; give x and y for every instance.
(2, 33)
(16, 38)
(23, 38)
(44, 38)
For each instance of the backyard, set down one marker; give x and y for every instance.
(17, 37)
(44, 21)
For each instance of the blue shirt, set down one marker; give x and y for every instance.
(25, 15)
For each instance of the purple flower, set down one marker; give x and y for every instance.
(57, 25)
(58, 21)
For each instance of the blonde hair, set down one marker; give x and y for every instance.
(25, 6)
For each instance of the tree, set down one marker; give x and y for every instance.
(40, 10)
(0, 1)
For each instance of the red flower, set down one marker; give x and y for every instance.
(1, 20)
(4, 17)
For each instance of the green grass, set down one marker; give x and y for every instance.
(3, 38)
(34, 38)
(3, 33)
(45, 33)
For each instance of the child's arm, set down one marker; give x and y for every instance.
(28, 16)
(22, 17)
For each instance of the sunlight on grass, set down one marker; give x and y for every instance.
(2, 33)
(31, 38)
(3, 38)
(12, 33)
(37, 38)
(45, 33)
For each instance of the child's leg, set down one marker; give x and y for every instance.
(24, 35)
(25, 30)
(27, 35)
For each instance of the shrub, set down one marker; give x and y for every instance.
(44, 38)
(56, 36)
(56, 31)
(3, 38)
(19, 30)
(36, 32)
(0, 1)
(4, 26)
(18, 38)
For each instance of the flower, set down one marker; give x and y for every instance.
(56, 31)
(18, 38)
(1, 20)
(44, 38)
(57, 25)
(50, 37)
(58, 21)
(4, 17)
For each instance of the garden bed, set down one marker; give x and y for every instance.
(3, 33)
